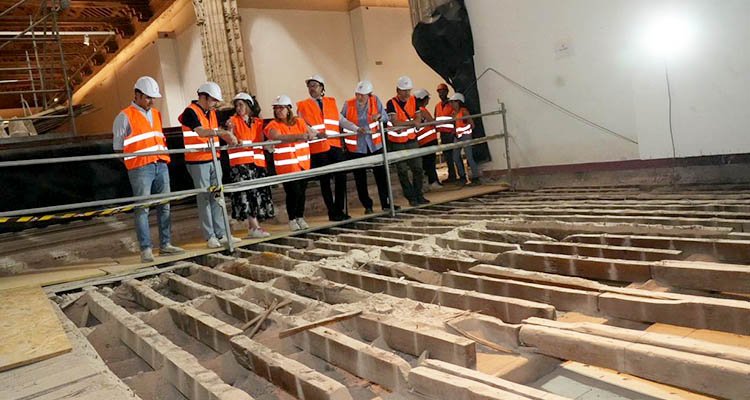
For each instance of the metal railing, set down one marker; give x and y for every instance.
(218, 189)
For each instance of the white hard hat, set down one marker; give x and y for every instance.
(244, 96)
(421, 93)
(282, 100)
(364, 87)
(148, 86)
(316, 78)
(212, 89)
(404, 83)
(457, 97)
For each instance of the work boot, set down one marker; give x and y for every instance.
(147, 255)
(169, 249)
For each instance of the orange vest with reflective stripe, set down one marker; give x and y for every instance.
(293, 156)
(193, 141)
(326, 122)
(143, 137)
(247, 135)
(403, 135)
(443, 112)
(462, 125)
(352, 115)
(426, 134)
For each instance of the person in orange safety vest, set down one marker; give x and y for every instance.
(138, 129)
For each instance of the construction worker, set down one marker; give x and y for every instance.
(293, 155)
(199, 126)
(464, 129)
(366, 109)
(427, 136)
(322, 113)
(248, 163)
(443, 111)
(404, 115)
(138, 129)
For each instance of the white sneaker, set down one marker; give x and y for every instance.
(234, 239)
(147, 255)
(302, 223)
(213, 243)
(294, 226)
(259, 233)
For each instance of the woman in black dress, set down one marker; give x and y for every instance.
(248, 163)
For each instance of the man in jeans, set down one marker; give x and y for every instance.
(138, 129)
(200, 125)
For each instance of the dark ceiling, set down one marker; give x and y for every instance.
(126, 18)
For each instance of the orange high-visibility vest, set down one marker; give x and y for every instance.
(247, 135)
(325, 121)
(193, 141)
(293, 156)
(444, 112)
(426, 134)
(403, 135)
(462, 126)
(352, 115)
(143, 137)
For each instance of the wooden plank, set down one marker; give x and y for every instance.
(29, 329)
(320, 322)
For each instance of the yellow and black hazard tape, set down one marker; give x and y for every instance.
(87, 214)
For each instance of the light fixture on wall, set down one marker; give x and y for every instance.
(86, 40)
(666, 37)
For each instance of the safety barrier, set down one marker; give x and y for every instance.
(63, 212)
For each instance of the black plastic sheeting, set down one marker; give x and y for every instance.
(447, 46)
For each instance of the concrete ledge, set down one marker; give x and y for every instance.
(439, 385)
(292, 376)
(489, 380)
(412, 338)
(360, 359)
(601, 250)
(209, 330)
(561, 298)
(709, 375)
(147, 297)
(186, 287)
(584, 267)
(506, 308)
(692, 311)
(433, 263)
(180, 368)
(725, 352)
(706, 276)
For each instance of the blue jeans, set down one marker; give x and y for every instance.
(151, 179)
(209, 211)
(469, 157)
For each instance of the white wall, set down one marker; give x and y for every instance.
(284, 47)
(384, 50)
(608, 77)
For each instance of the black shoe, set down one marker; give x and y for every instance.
(450, 180)
(369, 211)
(475, 183)
(395, 208)
(413, 203)
(344, 217)
(423, 201)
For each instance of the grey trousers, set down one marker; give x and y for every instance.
(209, 211)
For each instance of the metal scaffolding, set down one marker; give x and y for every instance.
(44, 34)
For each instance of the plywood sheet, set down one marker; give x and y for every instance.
(29, 329)
(48, 278)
